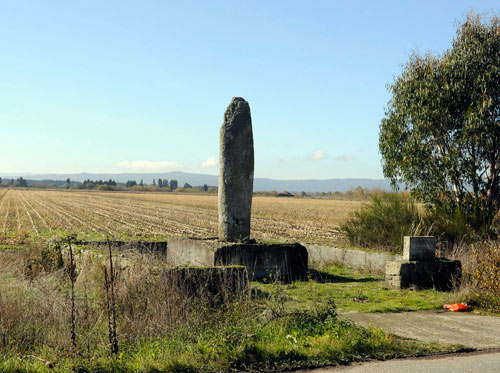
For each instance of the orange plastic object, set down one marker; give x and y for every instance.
(456, 307)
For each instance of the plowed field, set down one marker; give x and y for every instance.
(43, 214)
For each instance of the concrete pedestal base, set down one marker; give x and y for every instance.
(440, 274)
(217, 284)
(264, 262)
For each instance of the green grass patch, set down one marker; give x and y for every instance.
(351, 291)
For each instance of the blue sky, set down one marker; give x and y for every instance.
(141, 86)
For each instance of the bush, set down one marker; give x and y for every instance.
(384, 222)
(449, 226)
(484, 275)
(105, 187)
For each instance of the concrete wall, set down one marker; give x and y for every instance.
(357, 259)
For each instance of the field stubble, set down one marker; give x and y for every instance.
(41, 214)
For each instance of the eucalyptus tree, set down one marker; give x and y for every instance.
(440, 136)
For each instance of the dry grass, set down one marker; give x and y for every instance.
(480, 285)
(41, 214)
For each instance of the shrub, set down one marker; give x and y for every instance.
(449, 226)
(105, 187)
(484, 275)
(383, 222)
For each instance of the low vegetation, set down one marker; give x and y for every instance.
(485, 275)
(161, 329)
(384, 222)
(480, 286)
(388, 217)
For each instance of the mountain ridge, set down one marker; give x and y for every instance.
(260, 184)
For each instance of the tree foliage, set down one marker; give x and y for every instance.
(440, 136)
(20, 182)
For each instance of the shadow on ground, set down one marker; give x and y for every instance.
(324, 277)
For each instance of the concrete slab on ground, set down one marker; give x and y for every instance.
(464, 328)
(463, 363)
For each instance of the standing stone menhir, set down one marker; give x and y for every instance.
(263, 262)
(236, 167)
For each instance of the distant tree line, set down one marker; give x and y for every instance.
(19, 182)
(91, 184)
(164, 185)
(157, 185)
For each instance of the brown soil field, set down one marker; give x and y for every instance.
(30, 215)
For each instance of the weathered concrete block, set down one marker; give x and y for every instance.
(283, 262)
(215, 284)
(440, 274)
(419, 248)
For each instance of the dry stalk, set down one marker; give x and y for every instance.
(72, 277)
(109, 282)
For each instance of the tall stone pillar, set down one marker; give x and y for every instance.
(236, 165)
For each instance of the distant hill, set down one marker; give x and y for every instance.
(260, 184)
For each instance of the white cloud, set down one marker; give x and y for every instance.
(149, 166)
(318, 154)
(209, 163)
(345, 158)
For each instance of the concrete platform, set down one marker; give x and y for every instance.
(264, 262)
